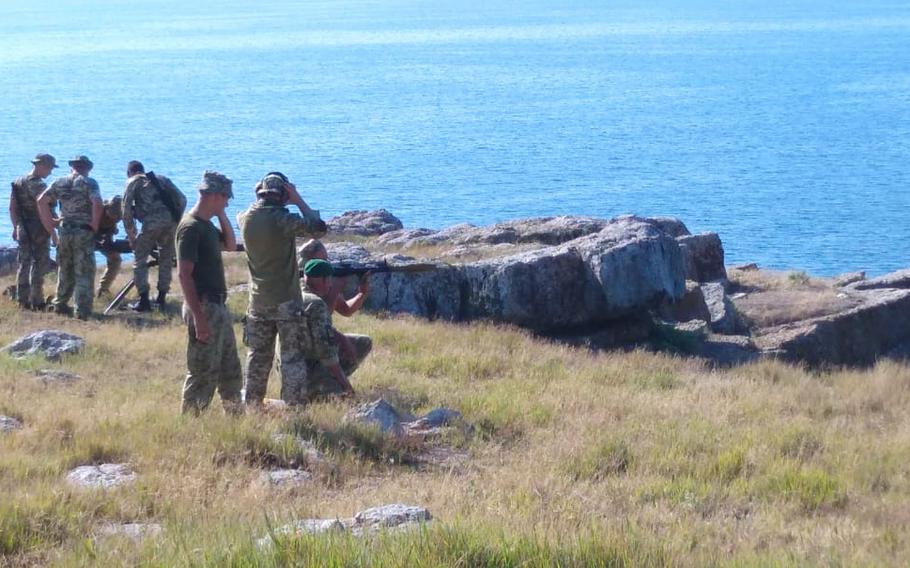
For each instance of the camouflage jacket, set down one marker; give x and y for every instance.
(269, 235)
(28, 188)
(109, 220)
(142, 202)
(317, 333)
(75, 193)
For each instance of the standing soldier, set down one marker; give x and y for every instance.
(34, 240)
(80, 215)
(157, 203)
(211, 351)
(111, 214)
(269, 235)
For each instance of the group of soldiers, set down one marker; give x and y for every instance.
(315, 360)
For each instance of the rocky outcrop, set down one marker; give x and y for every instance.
(858, 336)
(896, 280)
(396, 517)
(723, 316)
(704, 257)
(364, 223)
(627, 265)
(104, 476)
(848, 278)
(52, 344)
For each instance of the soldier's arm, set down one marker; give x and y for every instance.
(187, 256)
(44, 210)
(13, 215)
(228, 239)
(129, 224)
(308, 223)
(347, 308)
(97, 210)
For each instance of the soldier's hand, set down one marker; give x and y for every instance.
(364, 286)
(203, 331)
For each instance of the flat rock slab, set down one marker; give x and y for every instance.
(50, 343)
(371, 521)
(8, 423)
(132, 531)
(393, 421)
(54, 376)
(102, 476)
(286, 477)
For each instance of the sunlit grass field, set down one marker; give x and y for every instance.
(574, 459)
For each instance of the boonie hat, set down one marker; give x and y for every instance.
(81, 159)
(46, 159)
(318, 268)
(214, 182)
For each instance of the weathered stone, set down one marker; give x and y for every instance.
(50, 343)
(695, 326)
(8, 423)
(48, 376)
(286, 477)
(403, 237)
(347, 252)
(364, 223)
(132, 531)
(728, 349)
(703, 257)
(435, 418)
(670, 225)
(389, 516)
(849, 278)
(899, 279)
(857, 336)
(723, 313)
(383, 415)
(102, 476)
(691, 306)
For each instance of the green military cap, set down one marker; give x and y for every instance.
(81, 159)
(318, 268)
(45, 159)
(214, 182)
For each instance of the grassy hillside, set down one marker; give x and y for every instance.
(575, 458)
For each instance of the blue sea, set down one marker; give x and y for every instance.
(784, 125)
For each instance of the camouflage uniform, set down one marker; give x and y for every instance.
(269, 234)
(142, 202)
(104, 243)
(321, 346)
(76, 243)
(34, 241)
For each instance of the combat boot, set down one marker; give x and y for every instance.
(161, 300)
(143, 305)
(63, 310)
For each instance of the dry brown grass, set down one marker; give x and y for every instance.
(662, 459)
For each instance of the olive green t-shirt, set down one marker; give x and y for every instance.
(199, 242)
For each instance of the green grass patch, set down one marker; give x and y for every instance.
(606, 458)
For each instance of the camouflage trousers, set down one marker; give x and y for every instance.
(114, 260)
(321, 381)
(259, 337)
(213, 365)
(34, 259)
(146, 241)
(76, 270)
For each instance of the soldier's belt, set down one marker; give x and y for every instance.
(82, 226)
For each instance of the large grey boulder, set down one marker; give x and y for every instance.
(703, 257)
(724, 318)
(50, 343)
(880, 324)
(899, 279)
(364, 223)
(628, 266)
(8, 424)
(690, 307)
(104, 476)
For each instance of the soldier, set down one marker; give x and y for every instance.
(269, 235)
(211, 353)
(157, 203)
(34, 241)
(327, 374)
(352, 348)
(111, 214)
(80, 215)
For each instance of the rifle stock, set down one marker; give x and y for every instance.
(343, 269)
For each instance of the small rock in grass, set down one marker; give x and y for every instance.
(48, 376)
(52, 344)
(435, 419)
(8, 423)
(133, 531)
(383, 414)
(102, 476)
(392, 516)
(368, 522)
(286, 477)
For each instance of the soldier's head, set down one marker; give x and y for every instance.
(43, 165)
(133, 168)
(273, 187)
(114, 207)
(311, 249)
(81, 165)
(215, 190)
(318, 275)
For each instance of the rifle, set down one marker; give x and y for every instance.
(121, 295)
(349, 268)
(121, 246)
(164, 196)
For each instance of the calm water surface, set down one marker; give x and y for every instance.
(783, 125)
